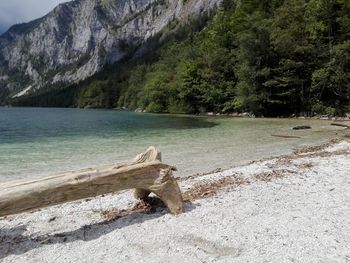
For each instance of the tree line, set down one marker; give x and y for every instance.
(267, 57)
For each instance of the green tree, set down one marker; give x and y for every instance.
(332, 82)
(254, 58)
(296, 59)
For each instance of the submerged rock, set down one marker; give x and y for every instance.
(302, 127)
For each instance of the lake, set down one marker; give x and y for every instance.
(45, 141)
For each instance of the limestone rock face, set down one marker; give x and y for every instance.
(78, 38)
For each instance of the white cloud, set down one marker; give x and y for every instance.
(20, 11)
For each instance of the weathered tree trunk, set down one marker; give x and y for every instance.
(146, 173)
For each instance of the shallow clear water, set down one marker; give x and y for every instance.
(42, 141)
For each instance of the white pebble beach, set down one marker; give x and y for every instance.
(294, 208)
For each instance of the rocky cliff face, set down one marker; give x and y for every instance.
(78, 38)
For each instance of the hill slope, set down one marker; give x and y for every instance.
(78, 38)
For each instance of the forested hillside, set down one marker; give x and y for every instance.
(270, 57)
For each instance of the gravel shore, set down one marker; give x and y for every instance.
(293, 208)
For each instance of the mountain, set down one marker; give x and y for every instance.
(78, 38)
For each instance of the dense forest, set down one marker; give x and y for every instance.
(267, 57)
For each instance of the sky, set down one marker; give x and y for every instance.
(19, 11)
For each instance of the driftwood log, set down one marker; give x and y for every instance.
(146, 173)
(341, 125)
(285, 136)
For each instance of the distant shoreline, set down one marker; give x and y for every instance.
(204, 114)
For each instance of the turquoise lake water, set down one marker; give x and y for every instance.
(45, 141)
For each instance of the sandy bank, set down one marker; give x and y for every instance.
(293, 208)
